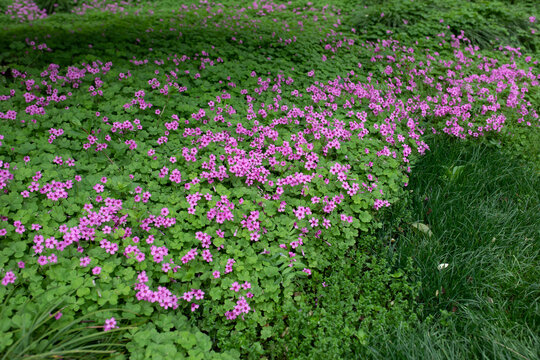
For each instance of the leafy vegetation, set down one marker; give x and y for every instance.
(214, 180)
(485, 23)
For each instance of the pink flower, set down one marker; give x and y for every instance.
(85, 261)
(235, 286)
(188, 296)
(110, 324)
(96, 270)
(198, 294)
(9, 278)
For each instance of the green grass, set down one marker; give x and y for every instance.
(42, 338)
(483, 209)
(485, 23)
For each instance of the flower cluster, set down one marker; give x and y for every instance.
(25, 11)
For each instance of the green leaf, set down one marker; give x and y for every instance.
(82, 292)
(266, 332)
(271, 271)
(186, 339)
(364, 216)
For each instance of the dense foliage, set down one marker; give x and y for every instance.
(195, 174)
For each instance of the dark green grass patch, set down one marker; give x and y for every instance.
(479, 268)
(485, 23)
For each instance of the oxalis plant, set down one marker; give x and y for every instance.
(200, 183)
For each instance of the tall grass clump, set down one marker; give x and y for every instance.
(477, 256)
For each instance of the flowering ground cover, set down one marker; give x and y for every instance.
(192, 180)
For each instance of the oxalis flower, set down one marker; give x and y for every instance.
(110, 324)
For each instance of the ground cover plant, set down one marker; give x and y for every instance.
(206, 178)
